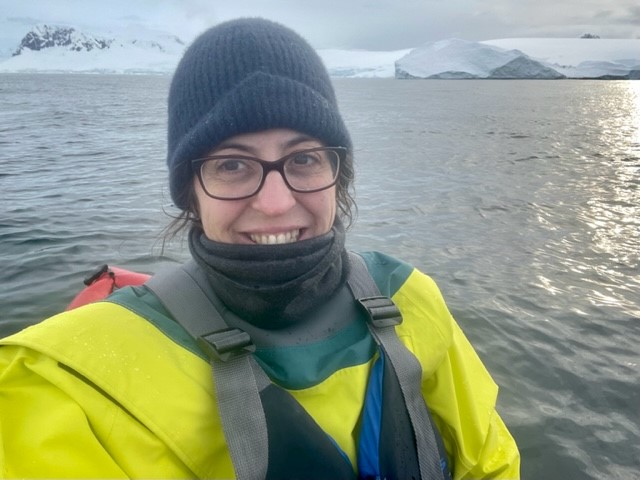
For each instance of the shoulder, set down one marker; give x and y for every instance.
(112, 346)
(109, 357)
(408, 287)
(129, 326)
(388, 272)
(393, 275)
(427, 327)
(457, 387)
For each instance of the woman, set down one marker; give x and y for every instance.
(260, 165)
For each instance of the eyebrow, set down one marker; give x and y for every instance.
(249, 148)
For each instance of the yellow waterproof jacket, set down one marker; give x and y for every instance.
(117, 389)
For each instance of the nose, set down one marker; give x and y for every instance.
(274, 198)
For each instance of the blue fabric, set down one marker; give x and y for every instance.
(369, 442)
(340, 451)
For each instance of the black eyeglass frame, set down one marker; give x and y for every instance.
(277, 165)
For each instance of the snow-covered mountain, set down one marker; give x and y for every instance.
(136, 50)
(49, 48)
(45, 36)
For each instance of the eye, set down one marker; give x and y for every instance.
(224, 166)
(306, 159)
(228, 165)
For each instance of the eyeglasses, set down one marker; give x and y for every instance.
(235, 177)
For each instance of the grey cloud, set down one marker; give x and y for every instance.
(603, 15)
(632, 16)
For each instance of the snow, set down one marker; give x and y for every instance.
(140, 50)
(360, 63)
(123, 59)
(125, 51)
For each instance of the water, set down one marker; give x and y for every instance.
(521, 198)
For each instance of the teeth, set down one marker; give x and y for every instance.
(278, 239)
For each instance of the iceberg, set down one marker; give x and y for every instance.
(452, 58)
(525, 67)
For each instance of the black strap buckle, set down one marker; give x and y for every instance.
(382, 311)
(226, 344)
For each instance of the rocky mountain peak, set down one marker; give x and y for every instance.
(48, 36)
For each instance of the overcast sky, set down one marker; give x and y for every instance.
(360, 24)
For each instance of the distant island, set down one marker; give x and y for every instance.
(60, 49)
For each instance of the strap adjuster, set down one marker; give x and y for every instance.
(382, 311)
(226, 344)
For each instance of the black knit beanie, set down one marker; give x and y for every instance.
(245, 76)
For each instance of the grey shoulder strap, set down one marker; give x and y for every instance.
(237, 377)
(384, 316)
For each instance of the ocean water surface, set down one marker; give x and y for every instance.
(520, 198)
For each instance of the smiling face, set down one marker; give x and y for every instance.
(275, 214)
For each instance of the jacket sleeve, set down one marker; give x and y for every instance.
(459, 391)
(43, 431)
(54, 423)
(102, 392)
(481, 445)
